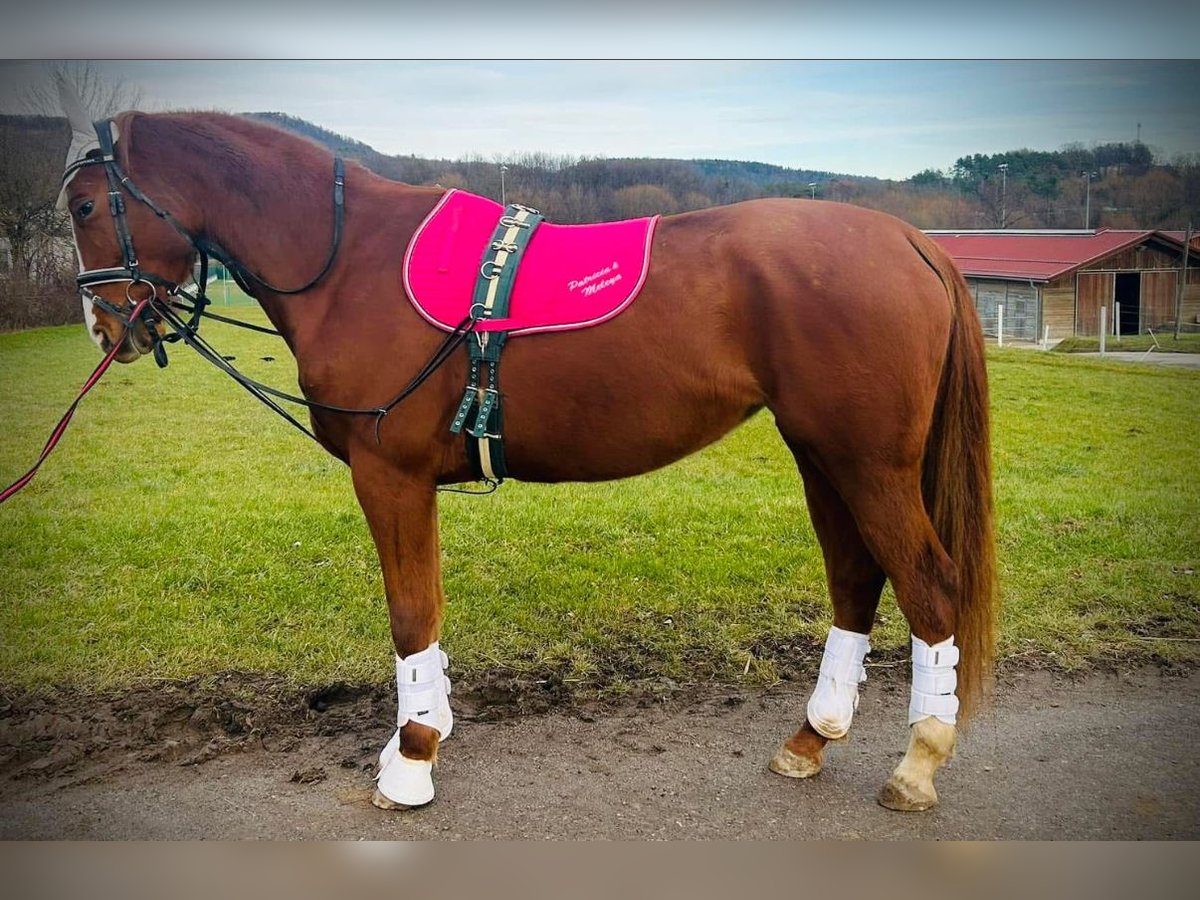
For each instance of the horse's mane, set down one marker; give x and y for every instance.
(247, 159)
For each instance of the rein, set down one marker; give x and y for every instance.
(153, 311)
(188, 331)
(61, 428)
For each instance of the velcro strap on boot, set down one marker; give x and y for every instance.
(934, 681)
(938, 656)
(943, 707)
(421, 668)
(843, 656)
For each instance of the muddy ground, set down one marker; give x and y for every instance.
(1110, 755)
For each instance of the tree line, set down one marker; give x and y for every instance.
(1116, 185)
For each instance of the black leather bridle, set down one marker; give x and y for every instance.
(155, 311)
(131, 272)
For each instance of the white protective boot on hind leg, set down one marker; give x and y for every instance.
(835, 698)
(423, 696)
(932, 713)
(934, 681)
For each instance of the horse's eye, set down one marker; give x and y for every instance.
(85, 210)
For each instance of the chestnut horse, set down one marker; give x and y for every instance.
(851, 327)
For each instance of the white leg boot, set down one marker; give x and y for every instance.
(932, 713)
(835, 698)
(423, 696)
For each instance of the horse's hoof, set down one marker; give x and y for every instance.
(793, 765)
(384, 803)
(904, 796)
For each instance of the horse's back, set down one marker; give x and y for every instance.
(818, 277)
(834, 255)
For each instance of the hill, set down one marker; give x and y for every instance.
(1124, 185)
(582, 189)
(1115, 185)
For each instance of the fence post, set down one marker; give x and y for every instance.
(999, 324)
(1117, 321)
(1046, 338)
(1103, 327)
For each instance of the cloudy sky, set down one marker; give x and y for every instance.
(889, 118)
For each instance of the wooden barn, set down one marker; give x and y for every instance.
(1060, 280)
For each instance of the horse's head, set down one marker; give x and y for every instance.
(126, 251)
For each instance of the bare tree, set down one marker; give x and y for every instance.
(29, 179)
(100, 96)
(36, 288)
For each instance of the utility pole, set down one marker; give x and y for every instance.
(503, 199)
(1182, 286)
(1003, 167)
(1087, 204)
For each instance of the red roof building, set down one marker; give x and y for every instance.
(1180, 235)
(1061, 280)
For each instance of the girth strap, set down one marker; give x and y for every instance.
(481, 404)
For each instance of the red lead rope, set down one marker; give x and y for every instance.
(61, 427)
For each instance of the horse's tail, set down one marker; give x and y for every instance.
(957, 481)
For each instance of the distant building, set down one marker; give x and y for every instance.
(1062, 279)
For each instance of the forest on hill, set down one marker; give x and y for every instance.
(1116, 185)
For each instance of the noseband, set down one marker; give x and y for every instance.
(130, 270)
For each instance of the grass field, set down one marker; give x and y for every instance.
(225, 292)
(183, 529)
(1162, 343)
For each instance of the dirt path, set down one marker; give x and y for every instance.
(1108, 756)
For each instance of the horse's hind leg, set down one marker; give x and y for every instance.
(855, 582)
(402, 514)
(888, 506)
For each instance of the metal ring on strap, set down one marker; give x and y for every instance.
(496, 268)
(129, 286)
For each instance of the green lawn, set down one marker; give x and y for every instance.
(225, 293)
(181, 529)
(1162, 343)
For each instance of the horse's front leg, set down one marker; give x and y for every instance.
(401, 511)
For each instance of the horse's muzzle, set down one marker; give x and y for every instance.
(135, 343)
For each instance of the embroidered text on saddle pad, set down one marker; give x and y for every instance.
(571, 276)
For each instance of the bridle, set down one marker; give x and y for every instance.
(155, 311)
(131, 272)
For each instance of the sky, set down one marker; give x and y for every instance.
(885, 117)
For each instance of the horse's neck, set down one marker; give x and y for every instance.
(274, 213)
(284, 240)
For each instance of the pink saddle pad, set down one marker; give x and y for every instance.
(571, 276)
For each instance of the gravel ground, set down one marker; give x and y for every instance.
(1104, 756)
